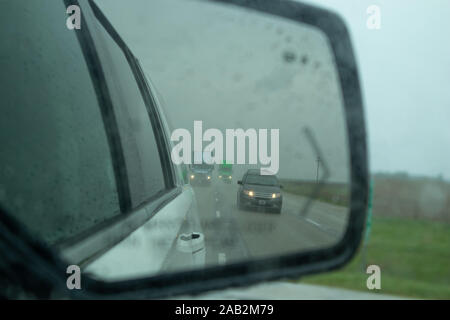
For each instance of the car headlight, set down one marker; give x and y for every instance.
(276, 195)
(220, 177)
(249, 193)
(229, 177)
(192, 176)
(209, 177)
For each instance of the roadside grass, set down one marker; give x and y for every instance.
(413, 255)
(334, 193)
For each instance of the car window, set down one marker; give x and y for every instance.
(142, 160)
(263, 180)
(203, 166)
(56, 173)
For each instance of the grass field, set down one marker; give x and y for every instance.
(414, 257)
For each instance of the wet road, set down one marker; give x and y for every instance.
(233, 235)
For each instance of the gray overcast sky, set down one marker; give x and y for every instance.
(405, 70)
(405, 73)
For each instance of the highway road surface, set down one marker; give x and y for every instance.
(233, 235)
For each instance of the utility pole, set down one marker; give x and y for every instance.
(318, 166)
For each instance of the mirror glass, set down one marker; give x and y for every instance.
(218, 67)
(255, 112)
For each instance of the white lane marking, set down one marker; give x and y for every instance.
(323, 228)
(222, 258)
(218, 214)
(313, 222)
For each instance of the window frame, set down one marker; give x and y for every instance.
(104, 101)
(85, 247)
(147, 96)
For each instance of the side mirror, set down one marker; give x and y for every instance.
(273, 51)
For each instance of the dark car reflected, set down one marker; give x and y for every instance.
(259, 191)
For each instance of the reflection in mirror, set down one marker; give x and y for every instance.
(254, 110)
(217, 68)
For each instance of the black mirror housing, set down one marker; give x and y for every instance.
(293, 265)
